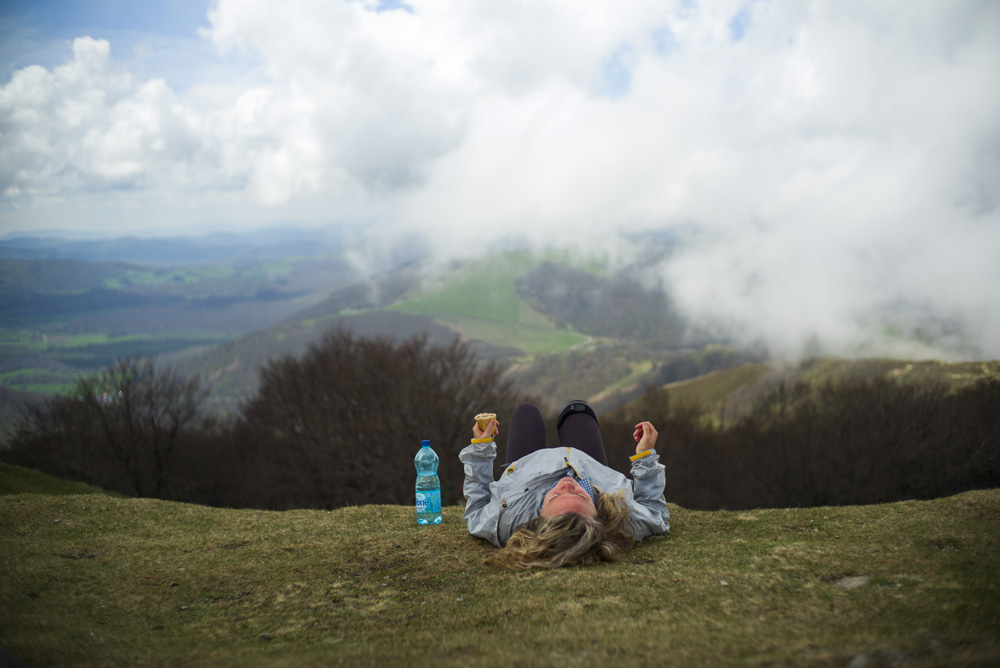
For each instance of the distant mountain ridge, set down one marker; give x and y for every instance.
(213, 248)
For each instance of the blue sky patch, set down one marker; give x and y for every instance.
(664, 41)
(740, 23)
(616, 77)
(390, 5)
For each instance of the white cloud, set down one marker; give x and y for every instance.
(840, 161)
(87, 125)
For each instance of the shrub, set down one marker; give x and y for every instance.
(341, 424)
(858, 441)
(119, 429)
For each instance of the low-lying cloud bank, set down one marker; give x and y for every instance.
(832, 169)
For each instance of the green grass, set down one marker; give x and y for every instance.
(93, 339)
(32, 342)
(59, 345)
(64, 357)
(477, 298)
(38, 380)
(481, 302)
(46, 389)
(22, 340)
(94, 580)
(532, 340)
(485, 290)
(20, 480)
(637, 371)
(24, 375)
(712, 389)
(138, 277)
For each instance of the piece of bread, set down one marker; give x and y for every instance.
(483, 419)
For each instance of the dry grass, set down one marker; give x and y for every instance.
(93, 580)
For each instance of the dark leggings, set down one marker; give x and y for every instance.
(526, 432)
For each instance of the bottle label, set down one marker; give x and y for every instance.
(429, 501)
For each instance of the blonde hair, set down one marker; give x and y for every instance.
(570, 539)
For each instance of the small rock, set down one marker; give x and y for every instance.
(723, 583)
(853, 582)
(891, 656)
(860, 661)
(459, 600)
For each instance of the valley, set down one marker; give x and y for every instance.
(564, 327)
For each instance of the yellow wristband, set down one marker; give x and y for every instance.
(640, 455)
(488, 439)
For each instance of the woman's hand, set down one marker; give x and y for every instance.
(492, 428)
(645, 436)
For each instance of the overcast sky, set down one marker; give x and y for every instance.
(833, 166)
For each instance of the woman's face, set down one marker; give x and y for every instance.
(568, 497)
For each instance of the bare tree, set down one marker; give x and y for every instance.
(129, 418)
(341, 424)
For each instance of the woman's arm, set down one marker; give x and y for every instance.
(480, 516)
(649, 513)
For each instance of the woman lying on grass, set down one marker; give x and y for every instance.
(561, 506)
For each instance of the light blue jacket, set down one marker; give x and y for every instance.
(493, 510)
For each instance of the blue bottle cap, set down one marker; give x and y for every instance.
(425, 444)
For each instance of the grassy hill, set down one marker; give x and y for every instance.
(21, 480)
(729, 393)
(94, 580)
(523, 307)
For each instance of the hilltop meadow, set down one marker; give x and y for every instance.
(94, 580)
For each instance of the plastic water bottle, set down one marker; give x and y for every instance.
(428, 485)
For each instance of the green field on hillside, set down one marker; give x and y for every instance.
(26, 340)
(49, 364)
(530, 339)
(486, 290)
(711, 390)
(92, 580)
(480, 301)
(140, 277)
(479, 297)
